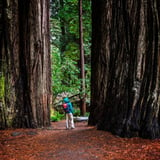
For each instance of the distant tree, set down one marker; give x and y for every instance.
(82, 63)
(25, 70)
(125, 91)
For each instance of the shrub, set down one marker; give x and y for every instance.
(56, 116)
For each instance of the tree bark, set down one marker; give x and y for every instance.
(125, 95)
(63, 31)
(25, 64)
(82, 66)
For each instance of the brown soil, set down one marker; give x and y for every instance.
(82, 143)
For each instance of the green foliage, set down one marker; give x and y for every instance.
(65, 46)
(2, 86)
(64, 75)
(56, 116)
(77, 113)
(87, 114)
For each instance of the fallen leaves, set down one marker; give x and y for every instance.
(82, 143)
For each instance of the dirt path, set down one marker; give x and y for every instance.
(82, 143)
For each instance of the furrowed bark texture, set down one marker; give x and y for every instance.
(125, 91)
(25, 63)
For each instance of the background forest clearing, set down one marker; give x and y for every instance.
(66, 50)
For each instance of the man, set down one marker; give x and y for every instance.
(68, 108)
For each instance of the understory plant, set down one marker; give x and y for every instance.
(56, 116)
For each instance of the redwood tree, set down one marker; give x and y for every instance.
(24, 63)
(125, 91)
(82, 64)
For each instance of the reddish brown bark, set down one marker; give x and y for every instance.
(125, 67)
(26, 63)
(82, 68)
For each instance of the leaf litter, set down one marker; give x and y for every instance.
(82, 143)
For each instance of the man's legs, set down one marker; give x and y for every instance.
(71, 121)
(67, 120)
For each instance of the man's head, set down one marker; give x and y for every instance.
(66, 100)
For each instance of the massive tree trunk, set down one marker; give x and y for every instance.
(25, 63)
(125, 91)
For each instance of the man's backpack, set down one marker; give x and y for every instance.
(66, 107)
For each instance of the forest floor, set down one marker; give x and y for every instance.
(82, 143)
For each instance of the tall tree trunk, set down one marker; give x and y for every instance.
(82, 69)
(125, 88)
(25, 64)
(63, 31)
